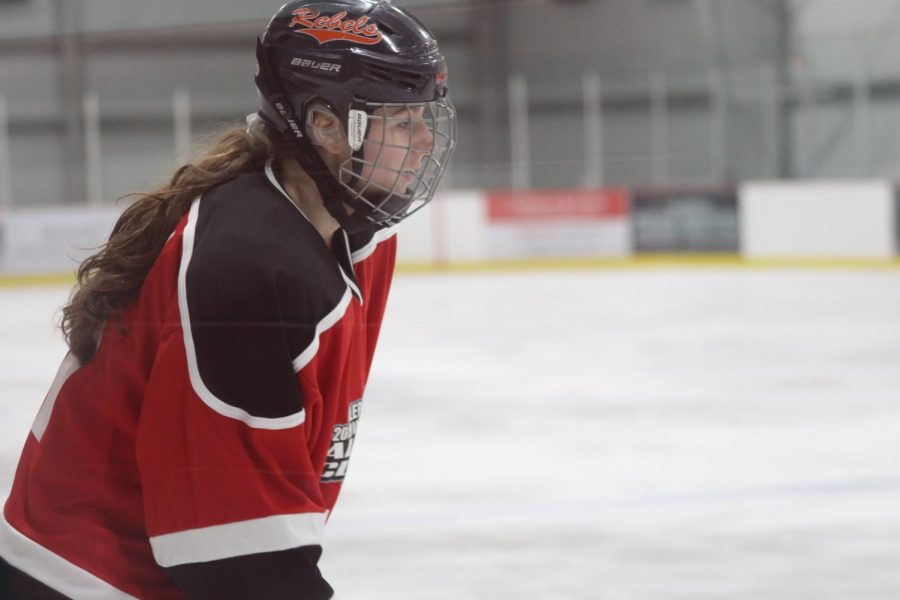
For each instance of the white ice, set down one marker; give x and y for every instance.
(611, 435)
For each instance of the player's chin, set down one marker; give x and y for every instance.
(394, 204)
(402, 186)
(403, 189)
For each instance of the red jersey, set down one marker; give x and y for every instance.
(202, 447)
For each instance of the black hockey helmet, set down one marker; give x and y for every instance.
(379, 71)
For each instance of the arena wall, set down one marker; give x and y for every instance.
(777, 221)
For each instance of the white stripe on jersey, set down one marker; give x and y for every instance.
(53, 570)
(268, 534)
(367, 250)
(329, 321)
(69, 365)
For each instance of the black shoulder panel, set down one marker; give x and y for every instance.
(260, 279)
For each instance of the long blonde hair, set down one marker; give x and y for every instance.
(109, 280)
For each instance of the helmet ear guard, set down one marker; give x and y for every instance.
(324, 127)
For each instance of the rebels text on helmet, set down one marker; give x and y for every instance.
(335, 28)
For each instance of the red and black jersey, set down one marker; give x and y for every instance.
(201, 449)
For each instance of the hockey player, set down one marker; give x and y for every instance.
(197, 434)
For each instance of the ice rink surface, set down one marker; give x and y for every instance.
(610, 435)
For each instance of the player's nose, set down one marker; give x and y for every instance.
(423, 138)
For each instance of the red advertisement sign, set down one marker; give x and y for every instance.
(599, 204)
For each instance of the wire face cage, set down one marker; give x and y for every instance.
(405, 150)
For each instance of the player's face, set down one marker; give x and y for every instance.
(398, 140)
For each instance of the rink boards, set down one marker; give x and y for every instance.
(811, 224)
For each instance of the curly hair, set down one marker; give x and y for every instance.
(109, 280)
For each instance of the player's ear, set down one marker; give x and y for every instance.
(325, 130)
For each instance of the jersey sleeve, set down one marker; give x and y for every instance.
(232, 500)
(288, 574)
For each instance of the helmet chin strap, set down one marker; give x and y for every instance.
(334, 197)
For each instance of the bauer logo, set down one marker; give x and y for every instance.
(335, 28)
(356, 125)
(342, 438)
(316, 65)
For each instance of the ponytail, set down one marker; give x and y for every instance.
(108, 281)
